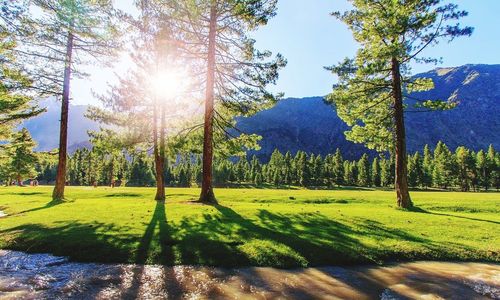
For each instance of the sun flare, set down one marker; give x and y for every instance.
(169, 84)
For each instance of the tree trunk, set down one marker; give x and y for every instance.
(401, 174)
(58, 193)
(160, 188)
(112, 172)
(207, 193)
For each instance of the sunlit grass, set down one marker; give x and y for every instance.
(282, 228)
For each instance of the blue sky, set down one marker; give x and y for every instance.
(310, 39)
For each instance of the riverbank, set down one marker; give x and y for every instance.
(44, 276)
(251, 227)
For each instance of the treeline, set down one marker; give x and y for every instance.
(442, 168)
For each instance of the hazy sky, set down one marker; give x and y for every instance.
(310, 39)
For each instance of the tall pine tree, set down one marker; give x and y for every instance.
(373, 86)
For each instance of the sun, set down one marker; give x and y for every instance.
(169, 84)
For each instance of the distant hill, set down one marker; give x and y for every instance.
(310, 125)
(45, 128)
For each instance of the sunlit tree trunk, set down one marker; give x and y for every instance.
(207, 193)
(112, 172)
(161, 197)
(401, 180)
(58, 193)
(160, 185)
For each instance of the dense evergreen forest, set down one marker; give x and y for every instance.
(443, 168)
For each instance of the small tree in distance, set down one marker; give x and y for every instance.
(22, 156)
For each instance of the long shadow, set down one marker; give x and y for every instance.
(280, 240)
(148, 252)
(29, 193)
(48, 205)
(84, 242)
(296, 239)
(132, 195)
(420, 210)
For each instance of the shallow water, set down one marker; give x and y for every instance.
(37, 276)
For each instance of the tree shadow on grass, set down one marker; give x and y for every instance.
(50, 204)
(279, 240)
(300, 239)
(29, 193)
(119, 195)
(421, 210)
(156, 249)
(84, 242)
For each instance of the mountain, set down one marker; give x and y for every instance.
(45, 128)
(313, 126)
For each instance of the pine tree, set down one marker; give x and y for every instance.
(443, 166)
(287, 168)
(376, 179)
(482, 166)
(347, 173)
(317, 169)
(496, 172)
(63, 34)
(338, 168)
(465, 166)
(141, 173)
(236, 73)
(427, 167)
(258, 179)
(385, 172)
(363, 171)
(354, 173)
(372, 87)
(302, 168)
(490, 165)
(415, 170)
(23, 158)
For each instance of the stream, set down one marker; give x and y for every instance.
(43, 276)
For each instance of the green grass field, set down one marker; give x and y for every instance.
(260, 227)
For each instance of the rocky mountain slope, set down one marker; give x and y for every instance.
(311, 125)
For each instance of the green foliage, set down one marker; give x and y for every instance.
(364, 171)
(389, 31)
(19, 159)
(141, 173)
(415, 170)
(15, 101)
(45, 36)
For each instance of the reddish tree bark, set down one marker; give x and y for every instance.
(58, 193)
(401, 180)
(158, 153)
(207, 193)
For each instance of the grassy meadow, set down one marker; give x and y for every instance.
(251, 227)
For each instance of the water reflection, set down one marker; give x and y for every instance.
(35, 276)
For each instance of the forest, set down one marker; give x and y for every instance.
(462, 169)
